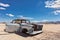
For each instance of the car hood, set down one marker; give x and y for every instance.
(26, 24)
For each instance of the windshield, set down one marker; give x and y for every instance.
(25, 22)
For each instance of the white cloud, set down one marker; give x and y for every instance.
(35, 21)
(52, 4)
(57, 12)
(44, 20)
(2, 8)
(11, 15)
(22, 17)
(4, 5)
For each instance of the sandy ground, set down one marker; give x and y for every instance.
(50, 32)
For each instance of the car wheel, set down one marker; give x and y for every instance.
(5, 30)
(24, 30)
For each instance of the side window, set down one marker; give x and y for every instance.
(23, 21)
(27, 21)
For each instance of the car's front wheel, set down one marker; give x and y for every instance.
(5, 30)
(24, 30)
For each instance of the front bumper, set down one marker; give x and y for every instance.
(35, 32)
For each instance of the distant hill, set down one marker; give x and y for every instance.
(47, 22)
(2, 22)
(51, 22)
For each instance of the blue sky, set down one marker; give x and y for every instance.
(37, 10)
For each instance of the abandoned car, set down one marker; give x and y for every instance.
(23, 25)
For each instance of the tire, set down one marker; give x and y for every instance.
(24, 30)
(5, 30)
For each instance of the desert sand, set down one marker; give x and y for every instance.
(50, 32)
